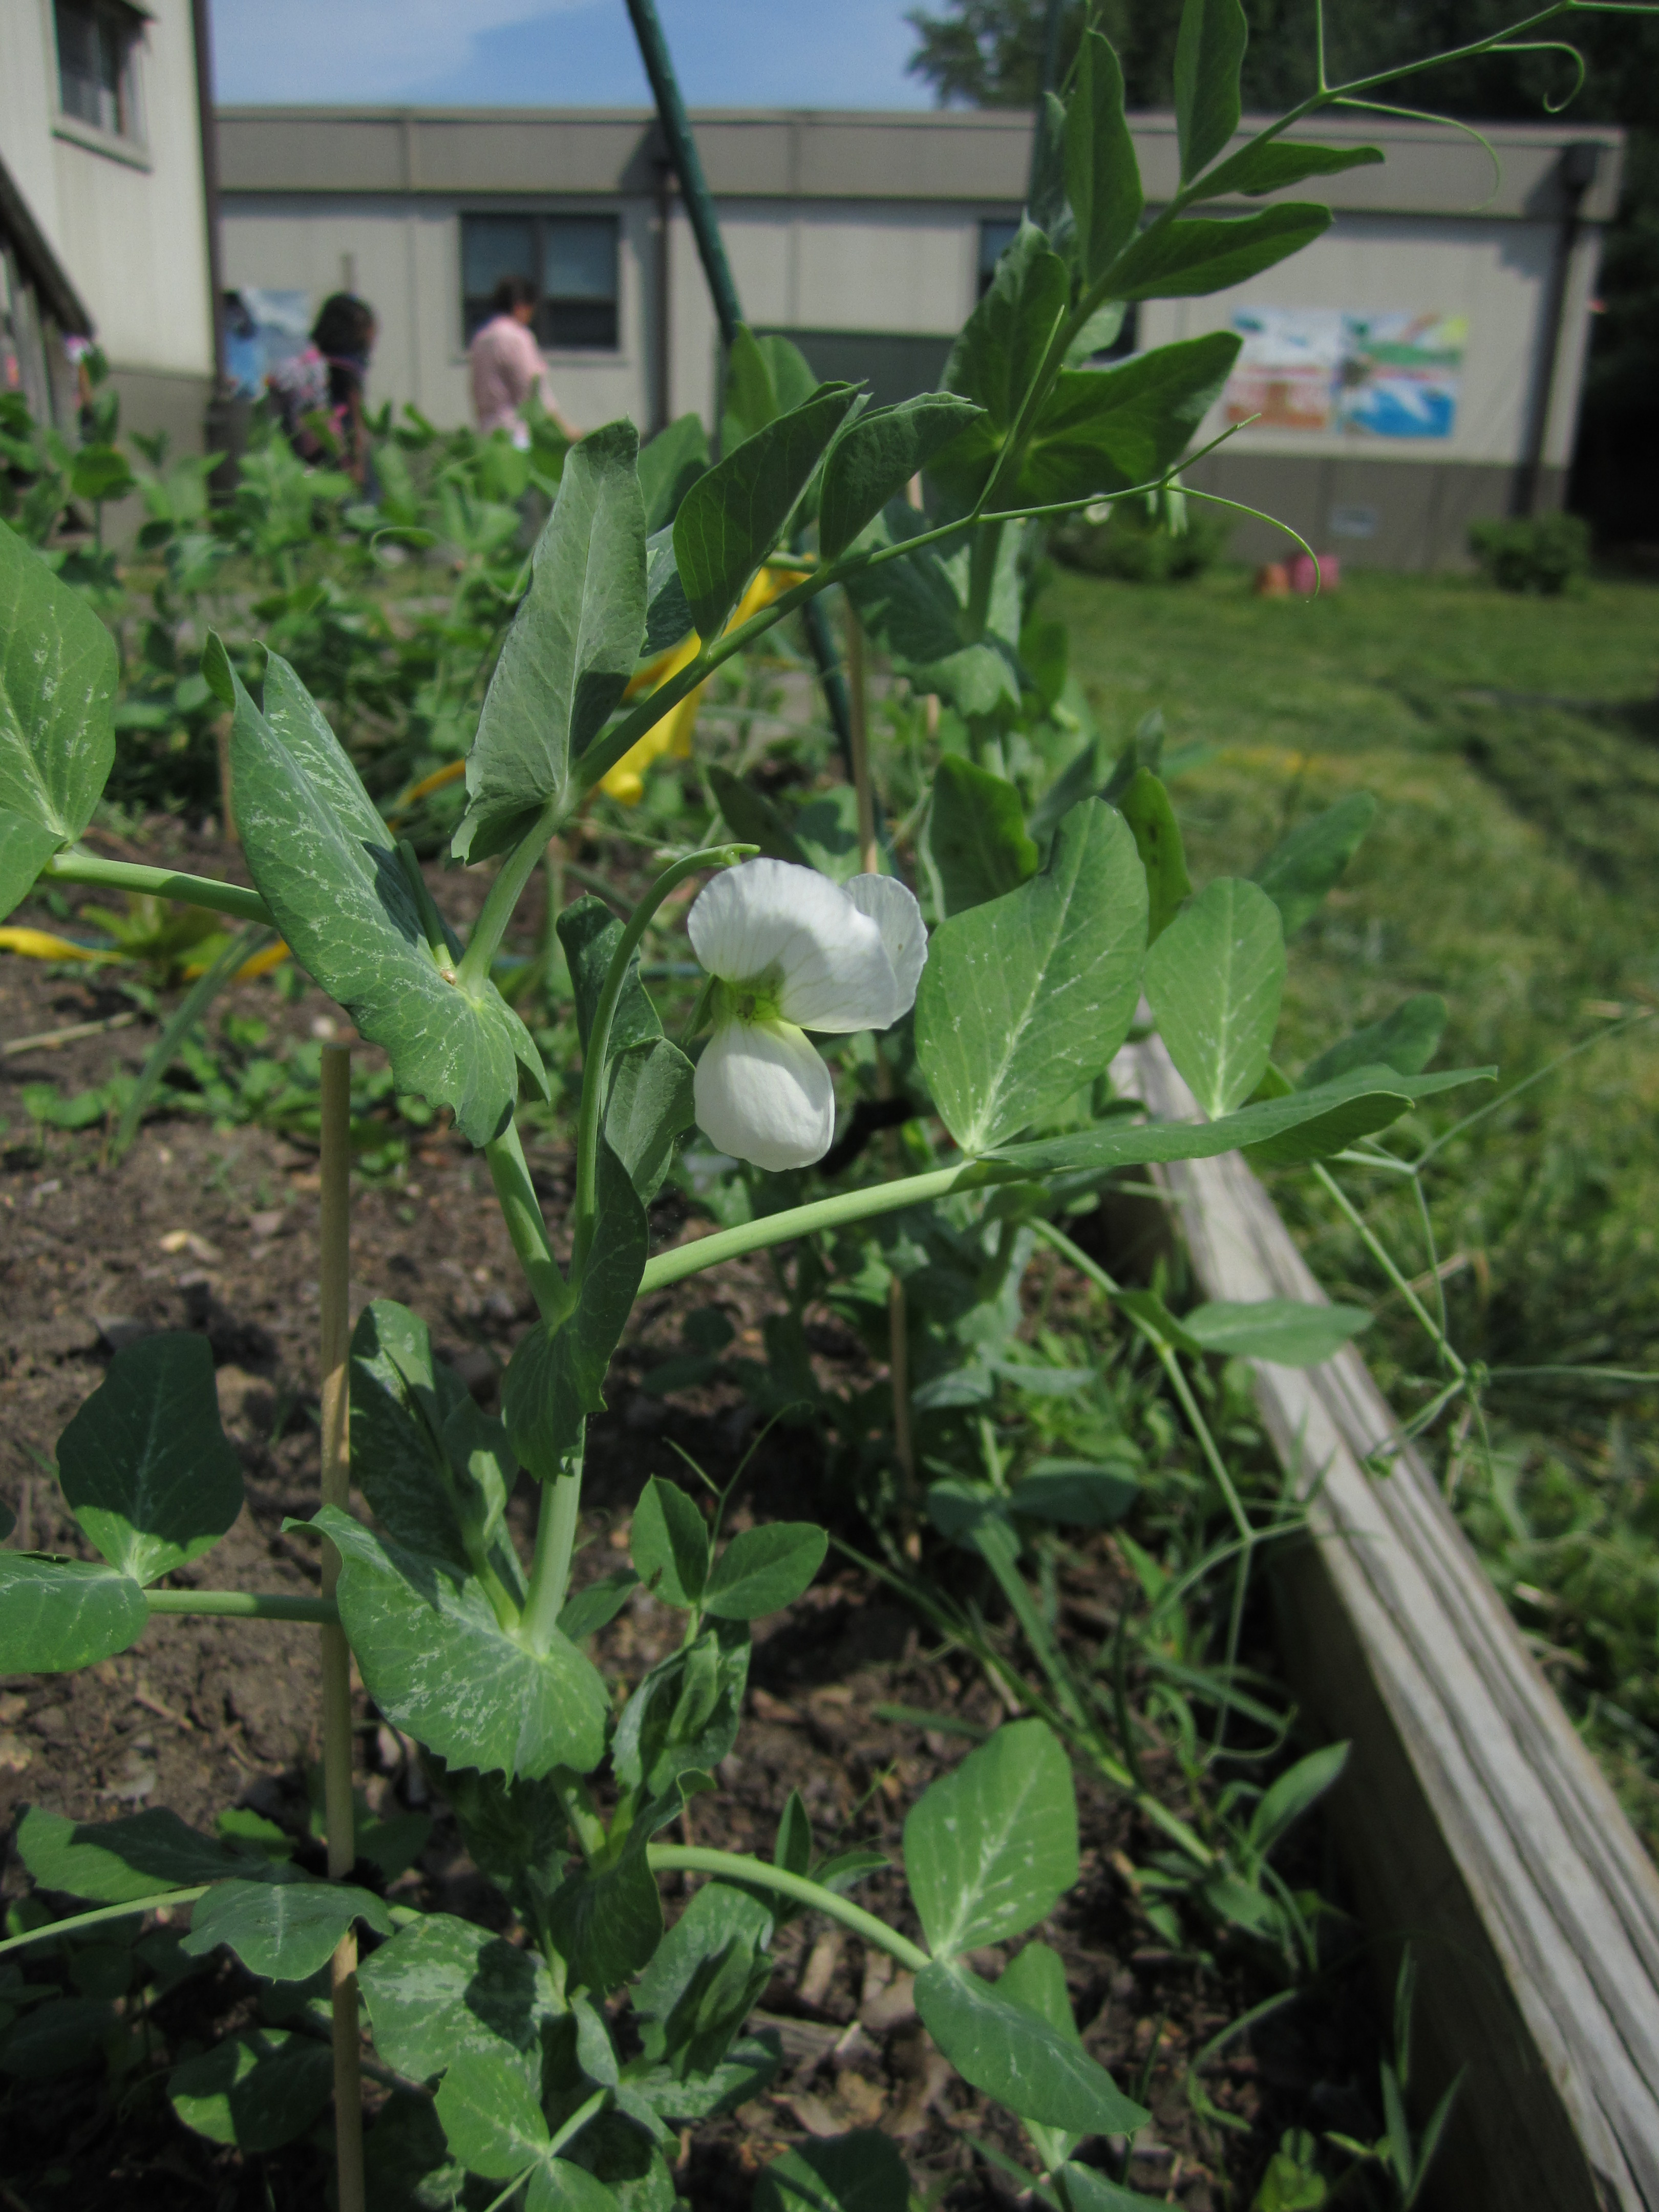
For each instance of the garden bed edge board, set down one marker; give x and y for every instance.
(1473, 1819)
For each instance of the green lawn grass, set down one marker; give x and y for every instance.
(1513, 747)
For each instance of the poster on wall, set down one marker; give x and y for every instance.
(1384, 376)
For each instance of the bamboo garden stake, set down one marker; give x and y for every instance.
(335, 1262)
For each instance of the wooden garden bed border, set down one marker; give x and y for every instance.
(1472, 1819)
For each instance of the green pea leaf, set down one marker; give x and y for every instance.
(1407, 1040)
(590, 934)
(1300, 871)
(1012, 2054)
(438, 1662)
(56, 1616)
(707, 1976)
(1029, 996)
(1287, 1332)
(682, 1719)
(1303, 1125)
(284, 1930)
(562, 2186)
(1295, 1792)
(877, 455)
(325, 864)
(1284, 161)
(61, 2037)
(1037, 1980)
(145, 1465)
(753, 818)
(764, 1569)
(606, 1920)
(1181, 260)
(732, 517)
(990, 1846)
(1091, 2190)
(492, 2118)
(670, 464)
(1209, 54)
(402, 1398)
(669, 1543)
(997, 356)
(255, 2091)
(597, 1603)
(573, 646)
(1101, 430)
(444, 1988)
(1102, 178)
(976, 837)
(1146, 807)
(555, 1377)
(650, 1107)
(1074, 1494)
(113, 1861)
(1215, 978)
(58, 673)
(748, 2068)
(863, 2172)
(765, 377)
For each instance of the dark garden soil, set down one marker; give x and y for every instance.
(217, 1232)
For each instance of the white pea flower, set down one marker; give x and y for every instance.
(792, 952)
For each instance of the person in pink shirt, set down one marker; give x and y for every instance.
(508, 366)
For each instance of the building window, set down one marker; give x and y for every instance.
(995, 239)
(96, 42)
(570, 259)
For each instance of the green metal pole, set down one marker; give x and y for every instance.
(711, 252)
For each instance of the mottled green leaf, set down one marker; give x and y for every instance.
(992, 1845)
(443, 1987)
(650, 1107)
(1215, 978)
(705, 1978)
(284, 1930)
(438, 1662)
(58, 673)
(113, 1861)
(325, 864)
(145, 1465)
(492, 2118)
(255, 2091)
(606, 1920)
(1025, 998)
(571, 647)
(976, 837)
(56, 1616)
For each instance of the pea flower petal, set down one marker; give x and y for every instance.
(763, 1094)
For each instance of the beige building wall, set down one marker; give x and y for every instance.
(125, 215)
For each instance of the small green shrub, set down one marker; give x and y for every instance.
(1544, 554)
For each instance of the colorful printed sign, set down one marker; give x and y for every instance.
(1391, 375)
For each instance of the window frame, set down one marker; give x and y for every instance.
(540, 217)
(130, 141)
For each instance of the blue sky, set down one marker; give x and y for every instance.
(738, 53)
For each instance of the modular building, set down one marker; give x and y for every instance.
(1419, 366)
(104, 230)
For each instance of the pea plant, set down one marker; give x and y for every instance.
(563, 2067)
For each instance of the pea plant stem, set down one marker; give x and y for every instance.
(158, 883)
(335, 1240)
(521, 1210)
(52, 1929)
(734, 1866)
(598, 1041)
(243, 1605)
(556, 1542)
(1384, 1259)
